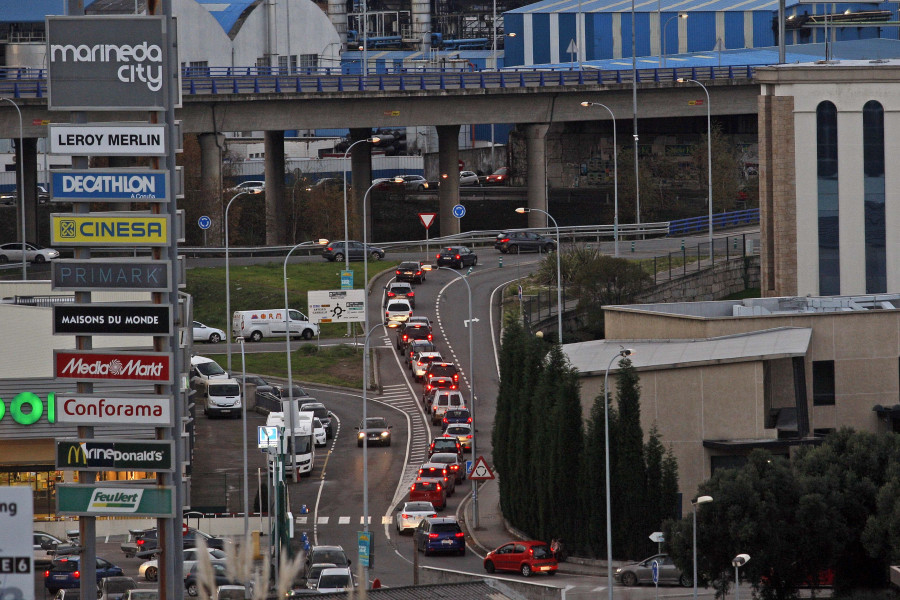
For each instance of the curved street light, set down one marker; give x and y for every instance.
(678, 16)
(697, 501)
(615, 176)
(738, 561)
(228, 327)
(708, 158)
(371, 140)
(622, 353)
(21, 185)
(559, 306)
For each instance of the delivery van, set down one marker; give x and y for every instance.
(301, 445)
(255, 325)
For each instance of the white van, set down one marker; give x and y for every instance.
(220, 397)
(254, 325)
(305, 454)
(445, 400)
(205, 369)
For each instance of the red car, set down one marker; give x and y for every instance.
(429, 491)
(498, 177)
(524, 557)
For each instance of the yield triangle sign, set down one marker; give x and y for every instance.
(480, 470)
(573, 47)
(427, 219)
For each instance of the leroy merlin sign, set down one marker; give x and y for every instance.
(114, 500)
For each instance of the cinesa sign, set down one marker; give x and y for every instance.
(85, 365)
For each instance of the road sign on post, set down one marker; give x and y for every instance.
(427, 219)
(459, 211)
(204, 222)
(480, 470)
(16, 554)
(346, 280)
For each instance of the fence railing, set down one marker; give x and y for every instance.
(728, 220)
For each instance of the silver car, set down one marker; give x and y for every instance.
(412, 514)
(205, 333)
(642, 572)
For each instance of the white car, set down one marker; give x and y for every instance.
(149, 570)
(397, 311)
(12, 252)
(319, 433)
(421, 361)
(205, 333)
(250, 186)
(414, 182)
(337, 579)
(412, 514)
(468, 178)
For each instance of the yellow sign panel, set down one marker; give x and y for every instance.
(109, 230)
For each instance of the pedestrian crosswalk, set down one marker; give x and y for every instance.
(341, 520)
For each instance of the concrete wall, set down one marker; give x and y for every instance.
(724, 279)
(520, 589)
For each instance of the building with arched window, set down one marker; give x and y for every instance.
(830, 217)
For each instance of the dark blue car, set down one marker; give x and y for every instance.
(440, 534)
(455, 417)
(65, 573)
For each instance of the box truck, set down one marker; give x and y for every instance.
(254, 325)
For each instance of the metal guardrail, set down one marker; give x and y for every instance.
(32, 83)
(727, 220)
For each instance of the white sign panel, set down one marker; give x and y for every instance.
(113, 139)
(337, 306)
(16, 551)
(102, 410)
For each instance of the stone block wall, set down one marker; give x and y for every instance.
(723, 279)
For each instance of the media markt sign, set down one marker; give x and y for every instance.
(114, 455)
(113, 500)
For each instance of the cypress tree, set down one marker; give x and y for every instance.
(654, 455)
(593, 484)
(511, 355)
(629, 502)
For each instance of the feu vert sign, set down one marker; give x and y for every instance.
(114, 500)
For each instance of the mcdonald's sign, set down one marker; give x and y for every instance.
(114, 455)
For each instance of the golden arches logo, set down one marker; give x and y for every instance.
(79, 453)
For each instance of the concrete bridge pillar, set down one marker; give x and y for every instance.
(276, 207)
(536, 152)
(28, 154)
(211, 201)
(361, 170)
(448, 163)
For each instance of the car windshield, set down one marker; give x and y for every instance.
(541, 552)
(329, 556)
(114, 584)
(320, 412)
(210, 368)
(216, 553)
(327, 582)
(376, 423)
(419, 507)
(304, 443)
(225, 389)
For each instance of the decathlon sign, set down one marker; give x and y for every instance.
(109, 230)
(106, 63)
(114, 455)
(114, 500)
(108, 185)
(88, 365)
(114, 139)
(122, 274)
(103, 410)
(112, 319)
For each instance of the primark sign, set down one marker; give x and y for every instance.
(109, 62)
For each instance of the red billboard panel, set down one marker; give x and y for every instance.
(110, 365)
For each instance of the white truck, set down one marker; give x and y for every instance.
(254, 325)
(299, 448)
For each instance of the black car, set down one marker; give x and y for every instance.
(514, 242)
(413, 331)
(334, 251)
(410, 271)
(376, 430)
(399, 289)
(193, 587)
(321, 413)
(146, 542)
(327, 554)
(456, 256)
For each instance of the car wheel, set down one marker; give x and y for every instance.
(475, 262)
(513, 249)
(685, 580)
(151, 573)
(462, 551)
(629, 579)
(421, 188)
(338, 257)
(3, 259)
(39, 259)
(489, 567)
(256, 336)
(376, 256)
(307, 334)
(215, 338)
(526, 570)
(192, 590)
(549, 248)
(551, 573)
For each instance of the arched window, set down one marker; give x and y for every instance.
(873, 197)
(827, 179)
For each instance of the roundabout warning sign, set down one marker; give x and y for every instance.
(480, 470)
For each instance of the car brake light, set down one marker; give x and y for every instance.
(459, 534)
(413, 488)
(428, 387)
(432, 536)
(531, 551)
(469, 437)
(77, 574)
(437, 486)
(410, 294)
(430, 337)
(405, 516)
(418, 272)
(391, 294)
(457, 257)
(469, 420)
(438, 256)
(140, 542)
(433, 516)
(456, 377)
(445, 420)
(46, 574)
(444, 471)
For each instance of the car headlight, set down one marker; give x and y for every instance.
(361, 435)
(618, 570)
(385, 433)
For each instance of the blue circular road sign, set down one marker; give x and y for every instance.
(459, 211)
(204, 222)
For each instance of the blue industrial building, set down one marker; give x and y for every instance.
(559, 31)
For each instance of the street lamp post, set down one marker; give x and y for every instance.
(738, 561)
(471, 389)
(228, 327)
(622, 353)
(708, 159)
(366, 443)
(21, 185)
(246, 542)
(372, 140)
(678, 16)
(559, 306)
(615, 177)
(699, 500)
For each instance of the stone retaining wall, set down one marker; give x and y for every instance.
(722, 280)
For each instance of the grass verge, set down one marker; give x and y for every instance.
(332, 365)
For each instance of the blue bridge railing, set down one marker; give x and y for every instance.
(737, 218)
(32, 83)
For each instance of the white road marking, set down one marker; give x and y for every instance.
(345, 520)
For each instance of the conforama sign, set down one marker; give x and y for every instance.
(85, 365)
